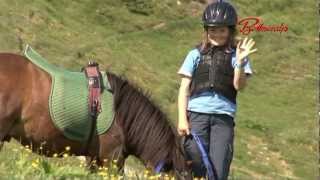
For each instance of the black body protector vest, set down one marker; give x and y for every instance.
(214, 72)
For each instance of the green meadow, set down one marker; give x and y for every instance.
(146, 41)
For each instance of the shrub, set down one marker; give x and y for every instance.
(144, 7)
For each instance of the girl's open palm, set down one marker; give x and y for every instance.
(244, 48)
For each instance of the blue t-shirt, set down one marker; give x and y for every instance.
(209, 101)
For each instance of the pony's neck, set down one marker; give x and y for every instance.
(147, 131)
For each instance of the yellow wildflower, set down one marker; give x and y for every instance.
(65, 155)
(103, 173)
(68, 148)
(35, 164)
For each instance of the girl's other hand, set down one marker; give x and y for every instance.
(183, 127)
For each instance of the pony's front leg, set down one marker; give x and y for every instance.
(92, 163)
(6, 124)
(113, 157)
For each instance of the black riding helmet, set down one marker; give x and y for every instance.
(219, 13)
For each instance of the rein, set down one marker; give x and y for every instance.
(208, 164)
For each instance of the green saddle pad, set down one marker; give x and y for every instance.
(68, 101)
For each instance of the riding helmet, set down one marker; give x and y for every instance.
(219, 13)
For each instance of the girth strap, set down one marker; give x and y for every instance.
(94, 85)
(94, 100)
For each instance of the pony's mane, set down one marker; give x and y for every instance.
(148, 131)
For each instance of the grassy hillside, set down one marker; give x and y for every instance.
(276, 136)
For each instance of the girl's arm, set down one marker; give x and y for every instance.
(240, 78)
(244, 49)
(183, 124)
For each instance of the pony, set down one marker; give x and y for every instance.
(139, 128)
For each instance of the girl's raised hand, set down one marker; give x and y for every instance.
(244, 49)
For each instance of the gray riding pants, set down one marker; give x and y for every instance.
(217, 134)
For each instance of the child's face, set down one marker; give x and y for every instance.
(218, 36)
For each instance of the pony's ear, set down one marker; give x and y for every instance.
(182, 141)
(182, 144)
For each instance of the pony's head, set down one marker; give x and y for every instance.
(147, 131)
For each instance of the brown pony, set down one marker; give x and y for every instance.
(139, 128)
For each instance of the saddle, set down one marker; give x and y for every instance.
(80, 103)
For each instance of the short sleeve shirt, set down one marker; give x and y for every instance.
(209, 101)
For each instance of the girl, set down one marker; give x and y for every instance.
(211, 75)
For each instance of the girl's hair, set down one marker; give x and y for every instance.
(205, 45)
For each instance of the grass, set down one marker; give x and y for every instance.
(27, 165)
(276, 136)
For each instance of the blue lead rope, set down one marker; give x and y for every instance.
(204, 155)
(159, 167)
